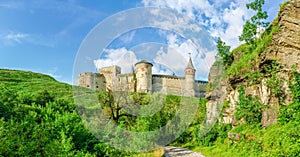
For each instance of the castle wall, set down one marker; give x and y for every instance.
(143, 81)
(177, 86)
(167, 84)
(157, 84)
(125, 82)
(200, 89)
(110, 74)
(92, 80)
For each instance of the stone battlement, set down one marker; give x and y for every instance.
(142, 80)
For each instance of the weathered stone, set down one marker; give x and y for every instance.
(216, 95)
(269, 117)
(285, 50)
(143, 81)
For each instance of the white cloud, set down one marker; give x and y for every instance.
(177, 55)
(121, 57)
(15, 38)
(174, 58)
(222, 18)
(171, 59)
(234, 17)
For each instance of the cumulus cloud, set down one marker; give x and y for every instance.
(177, 55)
(121, 57)
(223, 19)
(167, 60)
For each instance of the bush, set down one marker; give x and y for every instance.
(248, 107)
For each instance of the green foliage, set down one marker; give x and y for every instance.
(284, 4)
(38, 118)
(43, 97)
(292, 112)
(191, 135)
(295, 87)
(248, 107)
(7, 101)
(223, 52)
(276, 140)
(257, 6)
(274, 83)
(249, 32)
(246, 65)
(251, 27)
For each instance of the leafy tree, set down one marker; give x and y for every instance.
(252, 27)
(113, 104)
(223, 51)
(248, 108)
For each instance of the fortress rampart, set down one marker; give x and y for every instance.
(142, 80)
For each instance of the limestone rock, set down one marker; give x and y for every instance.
(284, 49)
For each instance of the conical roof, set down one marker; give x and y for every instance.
(190, 64)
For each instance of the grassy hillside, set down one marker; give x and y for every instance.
(30, 82)
(38, 117)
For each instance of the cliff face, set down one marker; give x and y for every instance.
(286, 43)
(271, 90)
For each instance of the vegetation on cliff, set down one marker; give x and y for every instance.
(266, 90)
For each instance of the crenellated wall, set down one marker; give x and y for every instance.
(110, 78)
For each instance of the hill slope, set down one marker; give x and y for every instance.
(38, 118)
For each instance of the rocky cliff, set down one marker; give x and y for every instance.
(264, 70)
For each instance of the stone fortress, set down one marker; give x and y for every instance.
(142, 80)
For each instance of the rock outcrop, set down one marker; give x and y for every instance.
(284, 49)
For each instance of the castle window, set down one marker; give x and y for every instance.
(97, 87)
(87, 85)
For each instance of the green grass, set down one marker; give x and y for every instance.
(32, 83)
(247, 56)
(276, 140)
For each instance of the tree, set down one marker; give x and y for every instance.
(252, 27)
(114, 104)
(223, 51)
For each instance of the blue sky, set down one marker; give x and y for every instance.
(45, 36)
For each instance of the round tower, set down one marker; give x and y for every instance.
(143, 76)
(189, 89)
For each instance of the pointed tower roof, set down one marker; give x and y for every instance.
(190, 64)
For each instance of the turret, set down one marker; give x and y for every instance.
(189, 89)
(143, 76)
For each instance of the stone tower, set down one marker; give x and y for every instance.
(189, 87)
(110, 73)
(143, 76)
